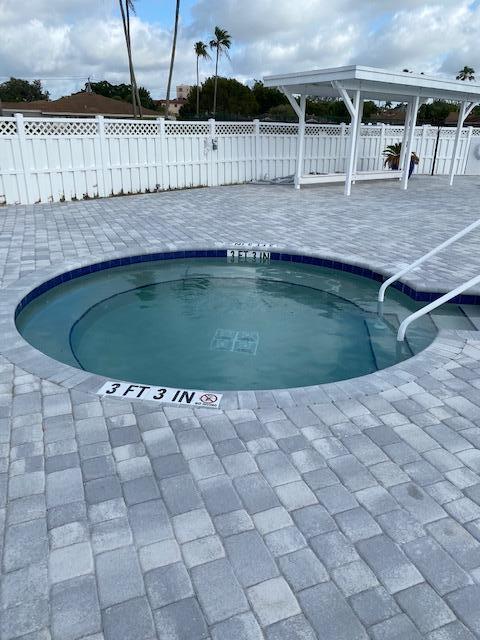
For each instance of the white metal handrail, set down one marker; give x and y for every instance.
(394, 278)
(433, 305)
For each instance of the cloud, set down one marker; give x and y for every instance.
(69, 40)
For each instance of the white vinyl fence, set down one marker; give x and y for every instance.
(56, 159)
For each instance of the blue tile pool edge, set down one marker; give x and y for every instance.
(336, 265)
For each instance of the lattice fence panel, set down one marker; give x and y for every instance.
(475, 132)
(8, 127)
(72, 128)
(276, 129)
(173, 128)
(370, 132)
(234, 128)
(322, 130)
(129, 128)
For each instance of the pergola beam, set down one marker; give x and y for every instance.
(465, 109)
(292, 101)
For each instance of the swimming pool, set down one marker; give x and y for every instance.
(224, 324)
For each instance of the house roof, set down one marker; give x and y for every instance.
(375, 84)
(79, 104)
(163, 101)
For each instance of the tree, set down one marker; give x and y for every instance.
(172, 58)
(467, 73)
(267, 97)
(234, 99)
(123, 92)
(17, 90)
(435, 113)
(125, 7)
(201, 51)
(282, 113)
(221, 43)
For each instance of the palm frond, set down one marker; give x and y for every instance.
(201, 49)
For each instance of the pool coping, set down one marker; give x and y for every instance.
(19, 352)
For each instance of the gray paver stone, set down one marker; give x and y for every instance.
(75, 608)
(168, 584)
(329, 613)
(119, 576)
(181, 620)
(250, 558)
(130, 620)
(218, 590)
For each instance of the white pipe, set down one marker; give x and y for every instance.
(433, 305)
(457, 236)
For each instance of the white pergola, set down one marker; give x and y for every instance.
(355, 84)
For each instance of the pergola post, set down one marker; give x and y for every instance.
(355, 116)
(409, 142)
(465, 109)
(300, 111)
(406, 127)
(301, 141)
(359, 133)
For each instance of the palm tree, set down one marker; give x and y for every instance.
(221, 42)
(125, 7)
(172, 58)
(201, 51)
(467, 73)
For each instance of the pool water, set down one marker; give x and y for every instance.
(207, 324)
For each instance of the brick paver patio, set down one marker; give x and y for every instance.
(342, 512)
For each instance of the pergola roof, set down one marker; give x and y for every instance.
(375, 84)
(355, 84)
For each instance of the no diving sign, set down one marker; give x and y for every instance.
(162, 395)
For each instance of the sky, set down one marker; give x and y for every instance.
(63, 42)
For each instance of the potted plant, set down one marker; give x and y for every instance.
(392, 157)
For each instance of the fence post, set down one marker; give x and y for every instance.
(257, 162)
(340, 155)
(212, 179)
(27, 175)
(164, 153)
(102, 192)
(382, 146)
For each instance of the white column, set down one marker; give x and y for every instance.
(355, 113)
(411, 134)
(357, 137)
(465, 109)
(461, 118)
(301, 141)
(406, 126)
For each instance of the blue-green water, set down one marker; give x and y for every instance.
(210, 325)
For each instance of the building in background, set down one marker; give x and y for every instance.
(176, 103)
